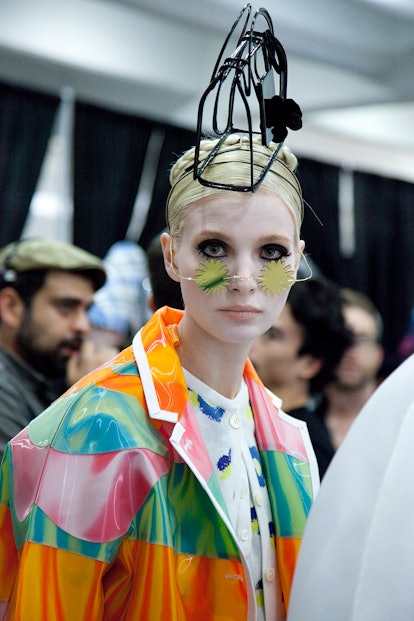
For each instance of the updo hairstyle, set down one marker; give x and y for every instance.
(231, 165)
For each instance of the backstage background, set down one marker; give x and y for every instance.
(98, 97)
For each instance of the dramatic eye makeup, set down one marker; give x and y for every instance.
(216, 249)
(213, 276)
(212, 248)
(274, 252)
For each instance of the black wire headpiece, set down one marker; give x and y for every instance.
(249, 69)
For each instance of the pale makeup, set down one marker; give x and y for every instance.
(245, 233)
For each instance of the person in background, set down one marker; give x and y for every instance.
(120, 307)
(356, 376)
(296, 358)
(46, 288)
(405, 347)
(356, 559)
(168, 484)
(163, 290)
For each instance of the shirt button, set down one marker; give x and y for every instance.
(244, 534)
(258, 499)
(235, 421)
(243, 492)
(270, 574)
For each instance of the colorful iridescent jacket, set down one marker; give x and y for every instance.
(109, 507)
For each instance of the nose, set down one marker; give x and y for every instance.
(243, 283)
(242, 273)
(80, 322)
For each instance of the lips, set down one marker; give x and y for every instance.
(241, 309)
(240, 312)
(69, 348)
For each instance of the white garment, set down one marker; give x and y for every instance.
(227, 427)
(357, 556)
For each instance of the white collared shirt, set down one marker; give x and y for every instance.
(227, 426)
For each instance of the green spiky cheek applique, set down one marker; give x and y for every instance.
(275, 277)
(213, 277)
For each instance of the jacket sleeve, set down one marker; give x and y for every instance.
(70, 590)
(38, 581)
(8, 551)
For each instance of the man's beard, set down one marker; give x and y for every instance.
(356, 383)
(49, 362)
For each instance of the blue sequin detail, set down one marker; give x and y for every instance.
(224, 461)
(210, 411)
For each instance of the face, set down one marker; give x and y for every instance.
(246, 232)
(53, 327)
(361, 362)
(275, 353)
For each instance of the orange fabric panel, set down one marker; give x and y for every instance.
(147, 582)
(152, 583)
(59, 585)
(287, 550)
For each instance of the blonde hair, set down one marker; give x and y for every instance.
(231, 165)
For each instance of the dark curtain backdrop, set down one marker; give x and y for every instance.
(109, 152)
(320, 228)
(176, 141)
(385, 249)
(26, 119)
(384, 241)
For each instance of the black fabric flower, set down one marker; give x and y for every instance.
(282, 114)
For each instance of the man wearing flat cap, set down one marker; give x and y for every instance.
(46, 288)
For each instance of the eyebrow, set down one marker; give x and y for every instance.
(269, 238)
(74, 301)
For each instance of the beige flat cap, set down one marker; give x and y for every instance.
(48, 254)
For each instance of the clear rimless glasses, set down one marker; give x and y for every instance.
(212, 276)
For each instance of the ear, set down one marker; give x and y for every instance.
(298, 255)
(380, 355)
(151, 303)
(12, 307)
(310, 366)
(168, 253)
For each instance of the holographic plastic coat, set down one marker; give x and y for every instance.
(109, 507)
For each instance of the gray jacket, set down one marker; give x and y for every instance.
(24, 394)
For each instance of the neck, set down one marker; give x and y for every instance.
(344, 406)
(8, 341)
(349, 401)
(221, 365)
(293, 396)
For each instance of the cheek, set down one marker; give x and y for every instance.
(52, 324)
(274, 353)
(275, 304)
(51, 319)
(192, 295)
